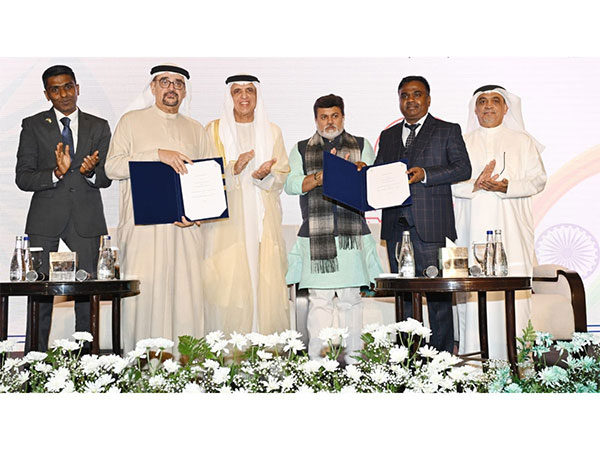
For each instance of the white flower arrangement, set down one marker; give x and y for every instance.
(393, 359)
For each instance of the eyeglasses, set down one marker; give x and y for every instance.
(503, 163)
(165, 83)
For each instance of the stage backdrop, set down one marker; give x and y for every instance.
(560, 105)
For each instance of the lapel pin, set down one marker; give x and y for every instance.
(48, 119)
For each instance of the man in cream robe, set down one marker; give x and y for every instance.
(244, 262)
(509, 170)
(165, 258)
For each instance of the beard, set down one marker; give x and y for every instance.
(330, 134)
(170, 101)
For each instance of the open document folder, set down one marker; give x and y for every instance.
(374, 187)
(161, 195)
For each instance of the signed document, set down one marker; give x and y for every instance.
(202, 190)
(387, 185)
(160, 195)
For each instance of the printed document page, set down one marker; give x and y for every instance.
(387, 185)
(202, 190)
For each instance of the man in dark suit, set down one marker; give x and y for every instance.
(437, 158)
(61, 160)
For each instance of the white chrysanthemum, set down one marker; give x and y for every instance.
(90, 364)
(214, 336)
(398, 354)
(330, 365)
(353, 372)
(370, 328)
(287, 384)
(294, 345)
(113, 390)
(158, 343)
(23, 377)
(171, 366)
(6, 346)
(58, 380)
(211, 364)
(65, 344)
(427, 351)
(192, 388)
(335, 335)
(156, 381)
(311, 366)
(272, 340)
(221, 375)
(137, 353)
(69, 387)
(381, 337)
(422, 331)
(11, 363)
(379, 375)
(290, 334)
(238, 340)
(35, 356)
(83, 336)
(43, 368)
(219, 347)
(264, 355)
(272, 384)
(225, 390)
(256, 339)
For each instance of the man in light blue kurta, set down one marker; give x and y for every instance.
(335, 253)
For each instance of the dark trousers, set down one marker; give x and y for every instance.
(87, 259)
(439, 304)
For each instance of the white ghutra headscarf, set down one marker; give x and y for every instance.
(513, 118)
(146, 98)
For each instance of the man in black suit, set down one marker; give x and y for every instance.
(437, 158)
(61, 160)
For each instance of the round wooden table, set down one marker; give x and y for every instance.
(37, 291)
(419, 286)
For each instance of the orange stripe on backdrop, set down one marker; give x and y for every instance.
(568, 176)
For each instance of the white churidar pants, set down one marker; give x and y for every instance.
(321, 315)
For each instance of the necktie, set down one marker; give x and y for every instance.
(67, 136)
(412, 135)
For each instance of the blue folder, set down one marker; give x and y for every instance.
(156, 193)
(342, 182)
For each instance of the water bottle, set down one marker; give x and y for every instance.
(106, 266)
(27, 262)
(488, 258)
(17, 272)
(500, 262)
(406, 259)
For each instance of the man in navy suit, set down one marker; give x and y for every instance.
(61, 160)
(437, 158)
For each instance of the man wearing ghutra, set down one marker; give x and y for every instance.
(165, 258)
(244, 264)
(509, 169)
(335, 253)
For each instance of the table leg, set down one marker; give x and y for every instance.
(33, 312)
(4, 318)
(511, 339)
(399, 307)
(417, 305)
(483, 328)
(116, 325)
(95, 322)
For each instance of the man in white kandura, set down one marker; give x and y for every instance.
(510, 171)
(244, 262)
(165, 258)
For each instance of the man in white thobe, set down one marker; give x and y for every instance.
(509, 170)
(244, 261)
(165, 258)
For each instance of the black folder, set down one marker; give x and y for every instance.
(156, 193)
(342, 182)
